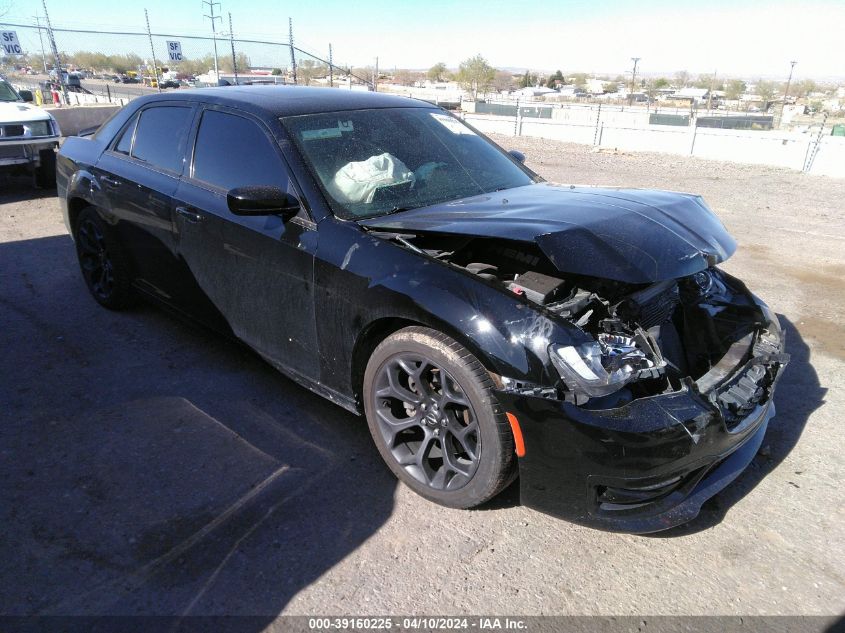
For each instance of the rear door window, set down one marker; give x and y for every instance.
(160, 137)
(233, 151)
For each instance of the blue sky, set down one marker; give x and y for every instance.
(739, 37)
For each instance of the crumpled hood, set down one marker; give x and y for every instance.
(20, 112)
(628, 235)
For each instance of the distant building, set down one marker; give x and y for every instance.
(690, 95)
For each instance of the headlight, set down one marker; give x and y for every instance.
(600, 367)
(37, 128)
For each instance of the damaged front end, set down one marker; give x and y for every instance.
(662, 398)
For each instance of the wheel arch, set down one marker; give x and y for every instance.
(75, 205)
(378, 330)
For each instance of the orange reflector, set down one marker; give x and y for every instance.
(517, 435)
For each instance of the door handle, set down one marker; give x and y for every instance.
(189, 214)
(111, 182)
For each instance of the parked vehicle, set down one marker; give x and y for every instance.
(488, 324)
(29, 136)
(171, 83)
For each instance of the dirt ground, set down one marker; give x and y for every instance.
(147, 466)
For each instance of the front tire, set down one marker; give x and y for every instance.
(103, 263)
(434, 417)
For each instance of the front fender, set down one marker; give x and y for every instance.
(361, 279)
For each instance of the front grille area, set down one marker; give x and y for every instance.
(11, 130)
(14, 151)
(745, 392)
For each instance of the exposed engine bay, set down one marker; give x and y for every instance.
(648, 339)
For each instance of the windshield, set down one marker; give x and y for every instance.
(7, 93)
(375, 162)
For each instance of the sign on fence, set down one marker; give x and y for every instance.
(11, 46)
(174, 51)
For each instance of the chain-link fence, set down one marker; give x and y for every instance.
(116, 66)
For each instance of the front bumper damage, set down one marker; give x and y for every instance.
(648, 465)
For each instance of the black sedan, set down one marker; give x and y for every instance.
(489, 325)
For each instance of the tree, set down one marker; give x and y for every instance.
(579, 79)
(555, 79)
(476, 75)
(403, 77)
(503, 81)
(611, 87)
(802, 88)
(734, 89)
(681, 79)
(437, 72)
(224, 63)
(307, 70)
(765, 90)
(703, 81)
(527, 80)
(276, 72)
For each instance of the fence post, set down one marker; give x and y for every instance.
(292, 56)
(692, 142)
(596, 137)
(601, 133)
(232, 44)
(108, 92)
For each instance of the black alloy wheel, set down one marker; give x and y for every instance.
(434, 417)
(102, 261)
(427, 421)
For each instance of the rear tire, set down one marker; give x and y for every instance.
(435, 420)
(103, 263)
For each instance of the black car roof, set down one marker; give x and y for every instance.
(290, 100)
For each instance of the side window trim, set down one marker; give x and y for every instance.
(131, 123)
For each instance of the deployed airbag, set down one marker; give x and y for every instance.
(358, 181)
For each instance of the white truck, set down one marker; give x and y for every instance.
(29, 137)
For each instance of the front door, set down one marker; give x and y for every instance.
(257, 271)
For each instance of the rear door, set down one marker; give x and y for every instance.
(257, 271)
(139, 174)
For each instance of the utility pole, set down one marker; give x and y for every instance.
(633, 80)
(710, 92)
(375, 77)
(52, 39)
(331, 67)
(292, 56)
(41, 41)
(232, 42)
(153, 51)
(211, 4)
(786, 91)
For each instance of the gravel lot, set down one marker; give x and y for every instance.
(147, 466)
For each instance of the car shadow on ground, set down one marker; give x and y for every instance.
(798, 394)
(17, 188)
(149, 467)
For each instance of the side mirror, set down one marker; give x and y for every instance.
(517, 155)
(26, 95)
(262, 200)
